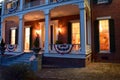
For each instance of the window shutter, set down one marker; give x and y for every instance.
(96, 36)
(16, 36)
(95, 1)
(69, 32)
(30, 37)
(112, 36)
(10, 36)
(109, 1)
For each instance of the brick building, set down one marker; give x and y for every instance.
(70, 31)
(105, 17)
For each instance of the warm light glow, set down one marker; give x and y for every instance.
(76, 35)
(38, 31)
(59, 30)
(13, 31)
(104, 35)
(27, 38)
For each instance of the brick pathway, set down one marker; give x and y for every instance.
(91, 72)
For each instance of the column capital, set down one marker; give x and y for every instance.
(82, 6)
(47, 11)
(20, 16)
(2, 19)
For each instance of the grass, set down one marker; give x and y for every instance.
(95, 71)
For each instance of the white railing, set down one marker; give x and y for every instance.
(34, 3)
(57, 1)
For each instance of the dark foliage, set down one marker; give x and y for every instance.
(2, 47)
(18, 72)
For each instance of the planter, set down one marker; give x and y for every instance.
(36, 50)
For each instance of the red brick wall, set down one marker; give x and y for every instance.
(8, 25)
(63, 21)
(102, 10)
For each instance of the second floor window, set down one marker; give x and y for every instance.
(102, 1)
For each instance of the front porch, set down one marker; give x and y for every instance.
(69, 29)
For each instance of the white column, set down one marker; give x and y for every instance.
(2, 28)
(3, 8)
(46, 1)
(20, 34)
(47, 15)
(21, 5)
(83, 28)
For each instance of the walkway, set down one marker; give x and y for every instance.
(94, 71)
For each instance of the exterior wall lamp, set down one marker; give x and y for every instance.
(59, 30)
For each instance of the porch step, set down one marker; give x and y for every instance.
(56, 62)
(23, 58)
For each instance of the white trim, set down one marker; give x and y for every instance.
(105, 52)
(81, 56)
(106, 17)
(13, 28)
(102, 1)
(29, 26)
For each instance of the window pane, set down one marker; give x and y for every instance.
(76, 35)
(104, 35)
(13, 31)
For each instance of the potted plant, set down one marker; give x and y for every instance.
(36, 45)
(2, 47)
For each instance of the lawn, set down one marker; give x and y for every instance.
(95, 71)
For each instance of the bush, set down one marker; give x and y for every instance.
(2, 47)
(18, 72)
(36, 42)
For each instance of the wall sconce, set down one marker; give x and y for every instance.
(59, 30)
(37, 31)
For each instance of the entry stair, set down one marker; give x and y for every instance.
(26, 58)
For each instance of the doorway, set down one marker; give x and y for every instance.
(27, 39)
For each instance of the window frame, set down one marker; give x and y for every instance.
(111, 34)
(102, 1)
(105, 51)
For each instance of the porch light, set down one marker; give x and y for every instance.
(37, 31)
(59, 30)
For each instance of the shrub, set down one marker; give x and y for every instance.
(18, 72)
(2, 47)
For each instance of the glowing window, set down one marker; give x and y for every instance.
(104, 38)
(13, 34)
(76, 35)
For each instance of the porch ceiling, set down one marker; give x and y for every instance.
(59, 11)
